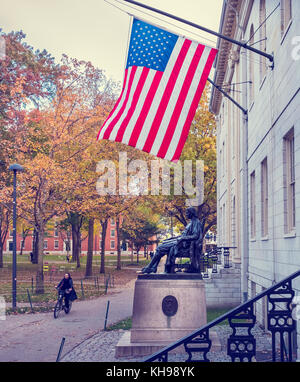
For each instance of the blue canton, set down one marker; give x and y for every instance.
(150, 46)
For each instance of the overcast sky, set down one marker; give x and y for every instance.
(95, 31)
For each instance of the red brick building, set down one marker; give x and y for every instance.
(56, 242)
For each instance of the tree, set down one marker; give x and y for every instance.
(140, 227)
(89, 259)
(200, 145)
(27, 77)
(4, 226)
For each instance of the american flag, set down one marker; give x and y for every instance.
(164, 78)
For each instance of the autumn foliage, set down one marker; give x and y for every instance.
(50, 114)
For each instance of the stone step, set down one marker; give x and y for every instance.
(230, 271)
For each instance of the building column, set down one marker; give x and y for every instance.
(244, 188)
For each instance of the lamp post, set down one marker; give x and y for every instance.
(15, 167)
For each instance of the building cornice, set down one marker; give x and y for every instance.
(228, 52)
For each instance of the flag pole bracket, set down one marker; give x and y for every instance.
(245, 112)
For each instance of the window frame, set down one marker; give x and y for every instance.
(285, 20)
(264, 199)
(252, 205)
(289, 182)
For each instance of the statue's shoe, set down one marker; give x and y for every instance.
(148, 270)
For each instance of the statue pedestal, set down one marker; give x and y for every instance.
(166, 307)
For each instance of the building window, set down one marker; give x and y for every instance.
(224, 225)
(252, 205)
(11, 233)
(262, 38)
(289, 181)
(264, 197)
(112, 244)
(56, 232)
(220, 233)
(286, 14)
(251, 66)
(112, 233)
(220, 165)
(112, 221)
(56, 244)
(233, 223)
(233, 126)
(223, 159)
(223, 113)
(45, 244)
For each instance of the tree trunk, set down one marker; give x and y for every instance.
(24, 235)
(35, 246)
(137, 254)
(89, 259)
(104, 228)
(1, 255)
(76, 243)
(131, 252)
(40, 251)
(118, 244)
(4, 226)
(79, 249)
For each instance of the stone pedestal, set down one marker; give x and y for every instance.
(166, 307)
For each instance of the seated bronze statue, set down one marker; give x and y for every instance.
(178, 246)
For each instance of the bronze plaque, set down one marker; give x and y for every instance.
(169, 305)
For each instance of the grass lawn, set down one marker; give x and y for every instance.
(92, 287)
(61, 260)
(126, 324)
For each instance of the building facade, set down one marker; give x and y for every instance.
(258, 155)
(58, 242)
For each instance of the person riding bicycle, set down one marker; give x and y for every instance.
(66, 285)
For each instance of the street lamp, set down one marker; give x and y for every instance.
(15, 167)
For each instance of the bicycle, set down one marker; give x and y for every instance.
(60, 306)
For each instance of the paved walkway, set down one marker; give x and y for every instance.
(37, 337)
(101, 348)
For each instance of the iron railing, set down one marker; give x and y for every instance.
(241, 344)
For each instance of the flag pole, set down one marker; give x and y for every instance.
(227, 96)
(244, 45)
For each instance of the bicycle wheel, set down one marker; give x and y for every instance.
(57, 308)
(68, 310)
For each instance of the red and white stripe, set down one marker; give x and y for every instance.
(155, 109)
